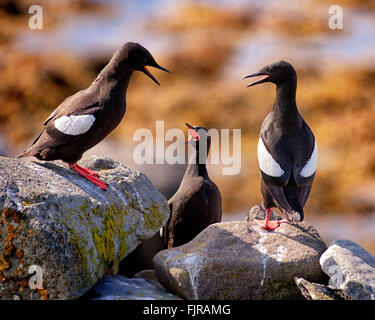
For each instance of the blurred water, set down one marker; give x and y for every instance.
(94, 34)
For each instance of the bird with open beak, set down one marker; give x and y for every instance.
(287, 150)
(84, 119)
(197, 202)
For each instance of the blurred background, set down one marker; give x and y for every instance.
(209, 46)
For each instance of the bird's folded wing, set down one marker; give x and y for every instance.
(304, 172)
(274, 168)
(267, 163)
(74, 125)
(303, 194)
(72, 100)
(61, 129)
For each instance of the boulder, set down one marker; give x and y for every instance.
(150, 276)
(350, 268)
(316, 291)
(258, 212)
(240, 260)
(59, 233)
(118, 287)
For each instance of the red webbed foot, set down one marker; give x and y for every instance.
(89, 171)
(270, 225)
(89, 174)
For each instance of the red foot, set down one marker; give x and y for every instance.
(270, 225)
(89, 171)
(89, 174)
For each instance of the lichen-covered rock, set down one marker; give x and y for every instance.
(67, 229)
(117, 287)
(240, 260)
(317, 291)
(350, 268)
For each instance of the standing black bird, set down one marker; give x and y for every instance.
(287, 150)
(87, 117)
(197, 202)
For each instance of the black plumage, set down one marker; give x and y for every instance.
(197, 202)
(287, 149)
(84, 119)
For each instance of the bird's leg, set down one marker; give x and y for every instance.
(89, 174)
(89, 171)
(270, 225)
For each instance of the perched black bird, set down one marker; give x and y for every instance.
(197, 202)
(87, 117)
(287, 150)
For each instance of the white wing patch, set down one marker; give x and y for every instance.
(267, 164)
(310, 166)
(74, 125)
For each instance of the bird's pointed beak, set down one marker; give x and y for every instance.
(257, 74)
(157, 66)
(149, 74)
(193, 135)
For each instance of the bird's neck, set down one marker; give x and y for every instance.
(285, 102)
(195, 168)
(115, 75)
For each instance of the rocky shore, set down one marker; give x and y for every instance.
(63, 238)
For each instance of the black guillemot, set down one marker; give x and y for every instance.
(197, 202)
(287, 150)
(84, 119)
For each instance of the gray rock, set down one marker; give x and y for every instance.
(150, 276)
(240, 260)
(316, 291)
(350, 268)
(68, 229)
(258, 212)
(117, 287)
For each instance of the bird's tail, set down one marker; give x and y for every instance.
(294, 216)
(25, 154)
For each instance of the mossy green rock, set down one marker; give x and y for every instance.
(240, 260)
(75, 232)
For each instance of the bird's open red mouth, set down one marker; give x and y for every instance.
(193, 135)
(148, 73)
(261, 80)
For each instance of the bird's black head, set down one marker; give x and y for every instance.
(278, 72)
(196, 133)
(198, 136)
(138, 58)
